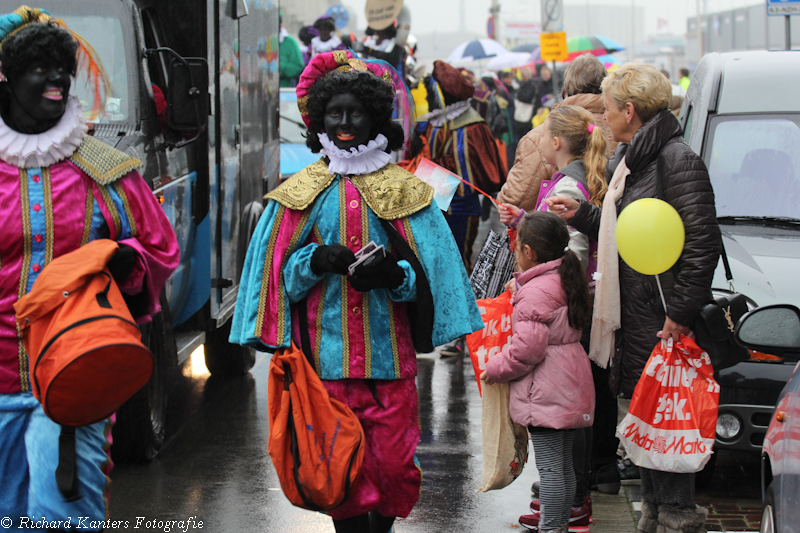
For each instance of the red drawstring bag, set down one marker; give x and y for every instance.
(672, 420)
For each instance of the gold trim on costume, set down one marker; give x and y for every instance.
(410, 237)
(343, 282)
(262, 299)
(320, 307)
(127, 207)
(302, 105)
(365, 299)
(340, 56)
(393, 192)
(468, 177)
(468, 117)
(27, 254)
(49, 223)
(101, 162)
(87, 221)
(281, 298)
(393, 337)
(300, 191)
(112, 208)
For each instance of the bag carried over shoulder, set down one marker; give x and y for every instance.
(505, 444)
(716, 323)
(672, 420)
(316, 442)
(493, 267)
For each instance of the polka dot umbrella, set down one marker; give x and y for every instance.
(598, 45)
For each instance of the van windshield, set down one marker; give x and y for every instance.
(754, 164)
(100, 23)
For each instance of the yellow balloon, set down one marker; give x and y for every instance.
(650, 236)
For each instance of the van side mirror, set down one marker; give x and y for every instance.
(187, 94)
(773, 329)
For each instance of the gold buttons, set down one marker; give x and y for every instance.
(354, 240)
(356, 311)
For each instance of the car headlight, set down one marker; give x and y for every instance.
(728, 426)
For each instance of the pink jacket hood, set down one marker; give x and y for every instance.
(549, 373)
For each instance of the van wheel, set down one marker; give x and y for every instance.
(702, 479)
(768, 524)
(139, 430)
(226, 359)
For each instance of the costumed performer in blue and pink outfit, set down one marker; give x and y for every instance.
(362, 331)
(60, 189)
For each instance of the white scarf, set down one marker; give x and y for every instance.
(283, 34)
(437, 117)
(607, 315)
(362, 160)
(34, 150)
(320, 47)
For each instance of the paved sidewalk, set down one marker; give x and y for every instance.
(612, 513)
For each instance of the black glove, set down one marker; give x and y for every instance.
(122, 262)
(384, 275)
(332, 258)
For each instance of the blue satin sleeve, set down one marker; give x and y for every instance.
(407, 291)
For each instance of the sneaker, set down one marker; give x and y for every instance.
(531, 523)
(535, 488)
(577, 515)
(607, 479)
(629, 473)
(454, 349)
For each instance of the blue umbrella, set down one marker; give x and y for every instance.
(479, 49)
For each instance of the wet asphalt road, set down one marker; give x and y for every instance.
(215, 467)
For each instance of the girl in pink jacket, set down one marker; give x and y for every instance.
(551, 387)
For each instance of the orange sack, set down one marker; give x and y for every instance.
(316, 442)
(85, 350)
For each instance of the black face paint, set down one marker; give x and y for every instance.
(347, 122)
(38, 97)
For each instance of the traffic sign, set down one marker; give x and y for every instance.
(783, 7)
(490, 28)
(552, 15)
(339, 15)
(553, 46)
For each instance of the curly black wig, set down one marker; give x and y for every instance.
(38, 42)
(376, 95)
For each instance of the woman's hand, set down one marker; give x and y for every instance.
(508, 213)
(486, 379)
(563, 206)
(674, 330)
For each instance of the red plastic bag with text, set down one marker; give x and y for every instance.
(496, 332)
(672, 420)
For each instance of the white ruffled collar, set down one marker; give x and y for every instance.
(26, 150)
(321, 46)
(362, 160)
(283, 34)
(437, 117)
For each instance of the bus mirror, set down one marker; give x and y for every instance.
(187, 94)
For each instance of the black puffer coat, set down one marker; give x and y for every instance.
(687, 286)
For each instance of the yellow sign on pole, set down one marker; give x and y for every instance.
(553, 46)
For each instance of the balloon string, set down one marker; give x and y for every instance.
(661, 291)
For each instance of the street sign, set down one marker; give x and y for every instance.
(382, 13)
(552, 15)
(516, 29)
(339, 15)
(490, 28)
(553, 46)
(783, 7)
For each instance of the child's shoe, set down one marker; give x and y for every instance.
(576, 513)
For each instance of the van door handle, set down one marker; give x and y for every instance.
(237, 136)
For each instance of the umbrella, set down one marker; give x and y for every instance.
(478, 49)
(609, 61)
(593, 44)
(529, 47)
(509, 60)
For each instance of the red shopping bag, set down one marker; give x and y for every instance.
(496, 332)
(671, 424)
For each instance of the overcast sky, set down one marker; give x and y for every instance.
(428, 16)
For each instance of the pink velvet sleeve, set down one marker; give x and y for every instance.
(153, 240)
